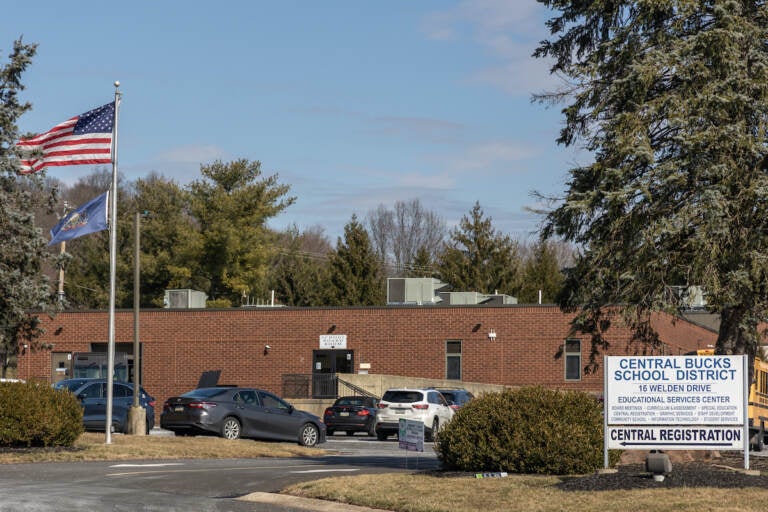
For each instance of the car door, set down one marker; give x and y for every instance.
(93, 398)
(278, 420)
(246, 403)
(444, 411)
(122, 400)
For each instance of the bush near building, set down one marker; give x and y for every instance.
(530, 430)
(37, 415)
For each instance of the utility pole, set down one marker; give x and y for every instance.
(137, 416)
(62, 250)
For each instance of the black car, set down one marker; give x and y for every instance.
(352, 414)
(234, 412)
(92, 394)
(457, 398)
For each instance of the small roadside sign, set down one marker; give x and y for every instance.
(411, 435)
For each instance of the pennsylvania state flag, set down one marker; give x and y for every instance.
(89, 218)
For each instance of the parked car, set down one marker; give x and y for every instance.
(426, 405)
(352, 414)
(457, 398)
(92, 394)
(72, 384)
(234, 412)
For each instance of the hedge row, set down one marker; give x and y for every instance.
(529, 430)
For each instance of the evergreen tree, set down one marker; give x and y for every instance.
(541, 273)
(423, 264)
(86, 261)
(231, 205)
(299, 273)
(671, 98)
(24, 289)
(478, 258)
(355, 271)
(166, 231)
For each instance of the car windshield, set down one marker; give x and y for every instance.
(405, 397)
(350, 401)
(204, 392)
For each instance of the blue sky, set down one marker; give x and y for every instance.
(353, 104)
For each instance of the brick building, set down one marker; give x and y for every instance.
(509, 345)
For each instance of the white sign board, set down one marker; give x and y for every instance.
(333, 341)
(662, 438)
(697, 394)
(411, 435)
(702, 390)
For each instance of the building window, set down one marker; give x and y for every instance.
(572, 360)
(453, 360)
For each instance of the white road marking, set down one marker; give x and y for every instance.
(157, 465)
(327, 470)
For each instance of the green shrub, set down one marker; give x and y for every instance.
(529, 430)
(37, 415)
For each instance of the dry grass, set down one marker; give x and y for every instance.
(422, 493)
(92, 446)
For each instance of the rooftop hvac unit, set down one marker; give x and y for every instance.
(476, 298)
(690, 297)
(184, 299)
(463, 297)
(413, 290)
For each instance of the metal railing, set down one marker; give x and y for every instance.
(310, 385)
(319, 385)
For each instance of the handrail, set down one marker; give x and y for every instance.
(357, 389)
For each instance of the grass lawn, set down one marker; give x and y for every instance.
(91, 446)
(421, 493)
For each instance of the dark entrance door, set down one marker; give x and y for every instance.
(325, 365)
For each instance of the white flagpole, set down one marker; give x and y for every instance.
(112, 271)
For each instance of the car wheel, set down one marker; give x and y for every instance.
(350, 433)
(309, 435)
(381, 436)
(230, 429)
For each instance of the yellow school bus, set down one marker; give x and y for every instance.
(757, 404)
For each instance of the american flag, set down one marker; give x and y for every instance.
(84, 139)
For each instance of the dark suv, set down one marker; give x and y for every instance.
(457, 398)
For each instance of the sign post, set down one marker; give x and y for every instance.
(676, 403)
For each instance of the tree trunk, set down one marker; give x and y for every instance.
(736, 336)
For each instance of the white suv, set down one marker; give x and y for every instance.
(426, 405)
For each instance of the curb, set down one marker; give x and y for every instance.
(296, 502)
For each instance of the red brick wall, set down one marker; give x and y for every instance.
(178, 345)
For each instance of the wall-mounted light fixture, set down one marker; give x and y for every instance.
(476, 328)
(491, 335)
(331, 328)
(266, 349)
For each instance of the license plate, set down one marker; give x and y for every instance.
(399, 411)
(343, 414)
(179, 408)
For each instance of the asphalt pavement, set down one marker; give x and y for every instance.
(206, 485)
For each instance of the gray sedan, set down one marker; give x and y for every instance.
(234, 412)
